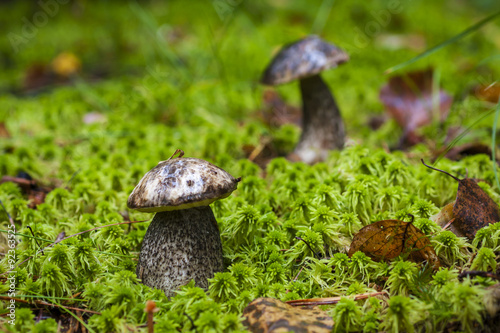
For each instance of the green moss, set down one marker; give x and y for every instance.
(162, 80)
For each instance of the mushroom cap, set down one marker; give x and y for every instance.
(307, 57)
(181, 183)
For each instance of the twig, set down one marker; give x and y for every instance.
(448, 224)
(332, 300)
(18, 181)
(260, 147)
(479, 273)
(297, 276)
(80, 233)
(6, 298)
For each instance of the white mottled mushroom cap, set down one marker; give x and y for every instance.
(181, 183)
(304, 58)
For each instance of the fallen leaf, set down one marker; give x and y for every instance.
(40, 76)
(4, 132)
(276, 112)
(376, 121)
(490, 93)
(473, 209)
(409, 100)
(37, 76)
(472, 148)
(66, 64)
(387, 239)
(445, 219)
(272, 315)
(445, 215)
(36, 194)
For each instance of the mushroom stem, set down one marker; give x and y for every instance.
(179, 246)
(323, 128)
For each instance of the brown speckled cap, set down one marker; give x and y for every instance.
(307, 57)
(181, 183)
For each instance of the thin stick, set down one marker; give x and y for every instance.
(18, 181)
(6, 298)
(332, 300)
(446, 173)
(448, 224)
(479, 273)
(58, 241)
(297, 276)
(260, 147)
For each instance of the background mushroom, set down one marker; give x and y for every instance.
(183, 240)
(323, 128)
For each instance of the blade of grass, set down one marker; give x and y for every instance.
(166, 52)
(436, 48)
(493, 144)
(461, 135)
(322, 16)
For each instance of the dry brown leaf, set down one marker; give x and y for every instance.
(276, 112)
(473, 208)
(4, 132)
(387, 239)
(409, 100)
(36, 194)
(445, 215)
(472, 148)
(445, 219)
(66, 64)
(490, 93)
(272, 315)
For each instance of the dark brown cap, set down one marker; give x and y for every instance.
(307, 57)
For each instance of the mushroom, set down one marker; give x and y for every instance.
(183, 241)
(323, 128)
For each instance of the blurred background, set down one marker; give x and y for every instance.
(198, 63)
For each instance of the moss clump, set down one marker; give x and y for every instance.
(169, 82)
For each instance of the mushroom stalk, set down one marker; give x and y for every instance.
(179, 246)
(323, 128)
